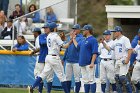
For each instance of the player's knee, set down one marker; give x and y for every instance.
(112, 80)
(103, 81)
(68, 78)
(77, 79)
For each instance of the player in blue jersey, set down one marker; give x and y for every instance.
(71, 58)
(88, 50)
(41, 47)
(136, 71)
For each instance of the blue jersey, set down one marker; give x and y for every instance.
(72, 54)
(88, 47)
(23, 47)
(133, 44)
(43, 48)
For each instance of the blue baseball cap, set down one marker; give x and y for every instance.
(76, 26)
(37, 29)
(87, 27)
(117, 29)
(47, 25)
(53, 25)
(107, 32)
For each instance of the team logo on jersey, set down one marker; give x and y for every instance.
(86, 42)
(103, 48)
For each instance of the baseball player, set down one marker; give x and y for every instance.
(136, 71)
(36, 33)
(71, 57)
(52, 61)
(107, 68)
(134, 44)
(88, 50)
(43, 51)
(122, 50)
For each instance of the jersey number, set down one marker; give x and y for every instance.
(109, 53)
(49, 42)
(120, 49)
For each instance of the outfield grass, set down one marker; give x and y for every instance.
(22, 90)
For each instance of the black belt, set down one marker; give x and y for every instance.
(52, 54)
(106, 59)
(138, 60)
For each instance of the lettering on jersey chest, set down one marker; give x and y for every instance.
(118, 44)
(119, 47)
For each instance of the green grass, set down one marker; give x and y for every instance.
(22, 90)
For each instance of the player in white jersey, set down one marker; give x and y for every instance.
(122, 50)
(136, 71)
(107, 68)
(53, 61)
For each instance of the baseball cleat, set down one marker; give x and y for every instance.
(30, 89)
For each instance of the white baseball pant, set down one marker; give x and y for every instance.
(73, 68)
(107, 71)
(53, 64)
(120, 68)
(88, 74)
(38, 67)
(136, 73)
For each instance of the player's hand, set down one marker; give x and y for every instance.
(62, 63)
(134, 62)
(131, 68)
(91, 65)
(31, 53)
(126, 61)
(14, 49)
(101, 40)
(71, 34)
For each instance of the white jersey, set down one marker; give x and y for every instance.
(54, 43)
(137, 50)
(37, 42)
(121, 47)
(104, 53)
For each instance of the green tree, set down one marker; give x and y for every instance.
(120, 2)
(93, 12)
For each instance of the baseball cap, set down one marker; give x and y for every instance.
(47, 25)
(87, 27)
(36, 29)
(76, 26)
(107, 32)
(117, 29)
(53, 25)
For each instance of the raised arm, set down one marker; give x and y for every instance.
(104, 44)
